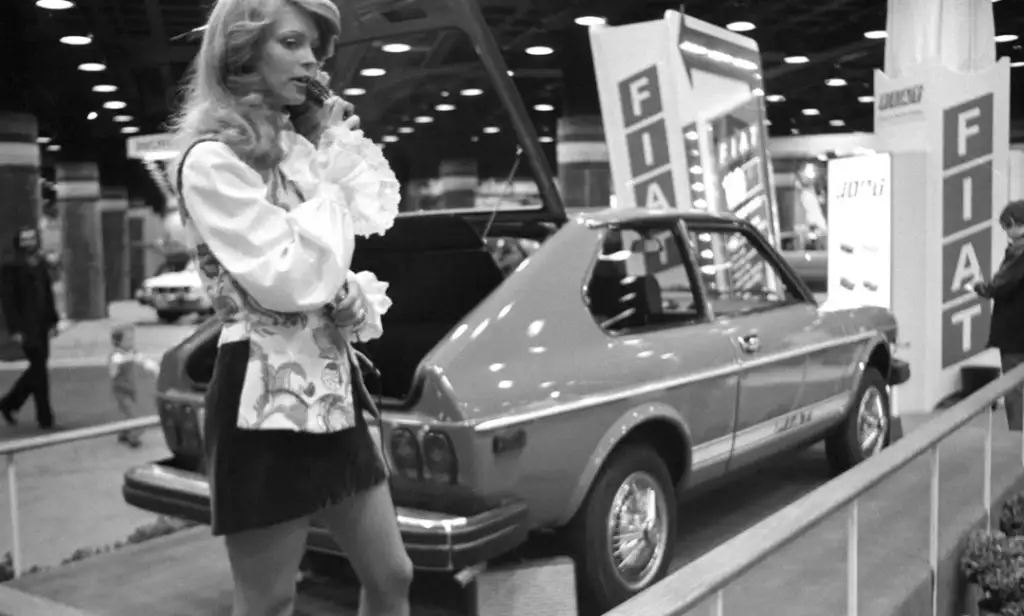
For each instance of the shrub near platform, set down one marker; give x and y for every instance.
(993, 565)
(162, 526)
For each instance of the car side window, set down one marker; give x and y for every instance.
(642, 280)
(739, 276)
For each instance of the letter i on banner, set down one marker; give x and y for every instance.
(646, 140)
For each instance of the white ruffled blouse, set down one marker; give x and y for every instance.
(274, 252)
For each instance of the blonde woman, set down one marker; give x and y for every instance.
(273, 212)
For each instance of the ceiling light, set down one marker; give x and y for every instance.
(42, 140)
(757, 92)
(866, 99)
(53, 148)
(1006, 38)
(547, 139)
(389, 138)
(92, 67)
(876, 34)
(353, 91)
(115, 105)
(423, 119)
(810, 112)
(590, 20)
(775, 98)
(835, 82)
(472, 92)
(837, 123)
(490, 130)
(55, 5)
(396, 47)
(796, 60)
(372, 72)
(123, 118)
(510, 73)
(741, 26)
(92, 115)
(1016, 64)
(539, 50)
(130, 130)
(444, 107)
(543, 107)
(74, 39)
(405, 130)
(104, 87)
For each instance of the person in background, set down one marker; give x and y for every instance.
(124, 363)
(26, 294)
(1006, 289)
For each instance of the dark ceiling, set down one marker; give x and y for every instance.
(146, 59)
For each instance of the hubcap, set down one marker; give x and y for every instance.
(638, 530)
(872, 422)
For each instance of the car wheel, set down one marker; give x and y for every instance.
(623, 536)
(865, 431)
(167, 316)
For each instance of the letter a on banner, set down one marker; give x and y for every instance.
(968, 268)
(656, 198)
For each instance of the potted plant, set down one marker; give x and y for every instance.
(1011, 516)
(993, 567)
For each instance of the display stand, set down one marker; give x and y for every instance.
(684, 118)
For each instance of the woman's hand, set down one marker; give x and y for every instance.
(339, 111)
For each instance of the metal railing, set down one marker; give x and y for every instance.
(10, 449)
(709, 576)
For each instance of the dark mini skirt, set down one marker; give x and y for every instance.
(259, 478)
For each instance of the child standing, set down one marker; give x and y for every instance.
(124, 363)
(1007, 292)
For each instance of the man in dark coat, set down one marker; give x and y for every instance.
(26, 293)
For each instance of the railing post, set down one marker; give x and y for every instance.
(988, 473)
(718, 606)
(12, 497)
(852, 567)
(933, 530)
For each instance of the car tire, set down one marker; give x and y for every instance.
(168, 316)
(600, 583)
(865, 429)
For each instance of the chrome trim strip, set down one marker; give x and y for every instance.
(553, 409)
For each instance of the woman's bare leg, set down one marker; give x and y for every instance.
(264, 563)
(366, 529)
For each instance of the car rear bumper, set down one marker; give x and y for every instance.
(435, 541)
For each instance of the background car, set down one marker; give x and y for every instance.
(175, 293)
(806, 251)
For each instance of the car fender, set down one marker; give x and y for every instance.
(622, 428)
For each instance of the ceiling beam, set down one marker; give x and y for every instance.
(158, 35)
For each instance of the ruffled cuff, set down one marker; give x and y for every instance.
(348, 159)
(360, 305)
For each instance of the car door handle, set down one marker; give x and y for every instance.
(750, 343)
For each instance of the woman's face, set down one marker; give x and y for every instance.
(287, 56)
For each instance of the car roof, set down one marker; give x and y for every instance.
(616, 215)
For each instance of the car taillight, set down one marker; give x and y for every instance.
(439, 458)
(427, 456)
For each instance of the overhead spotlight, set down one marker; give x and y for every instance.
(796, 59)
(810, 112)
(115, 105)
(353, 91)
(491, 130)
(1016, 64)
(588, 21)
(867, 98)
(389, 138)
(1006, 38)
(741, 26)
(471, 92)
(757, 92)
(55, 5)
(92, 115)
(423, 119)
(510, 73)
(54, 147)
(74, 39)
(130, 130)
(43, 140)
(539, 50)
(396, 48)
(837, 123)
(876, 34)
(123, 118)
(543, 107)
(92, 67)
(406, 130)
(444, 107)
(835, 82)
(372, 72)
(546, 139)
(775, 98)
(104, 87)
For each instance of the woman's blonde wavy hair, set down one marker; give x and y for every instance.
(224, 96)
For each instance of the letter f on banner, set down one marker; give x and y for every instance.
(638, 93)
(966, 127)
